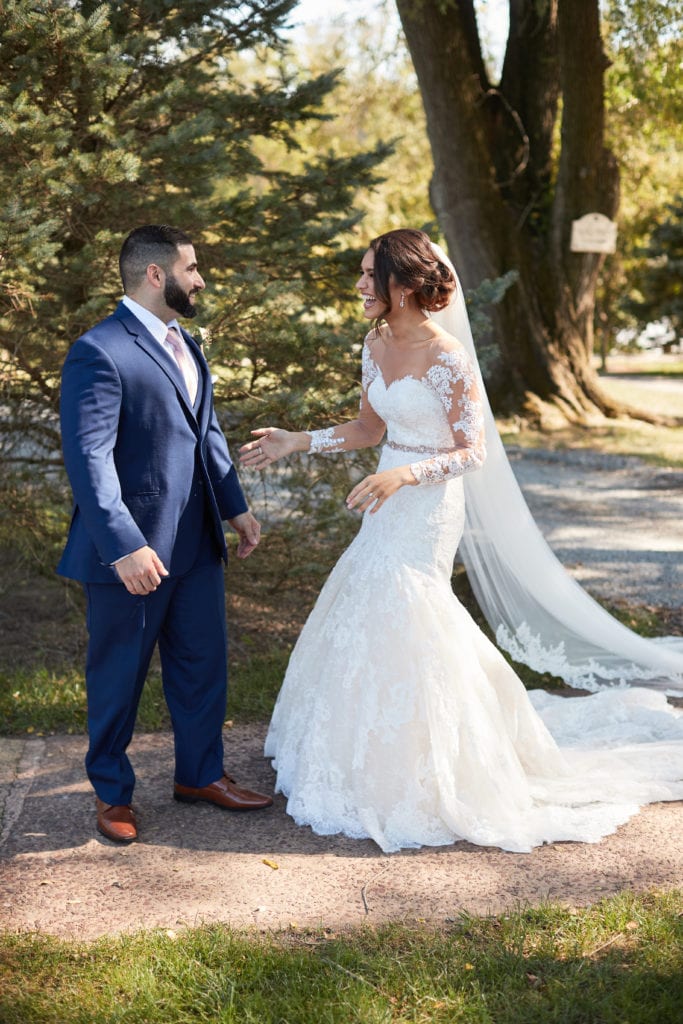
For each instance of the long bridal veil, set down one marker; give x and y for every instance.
(539, 614)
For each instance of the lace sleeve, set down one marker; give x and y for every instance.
(455, 382)
(328, 439)
(333, 439)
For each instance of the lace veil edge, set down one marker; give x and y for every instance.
(539, 614)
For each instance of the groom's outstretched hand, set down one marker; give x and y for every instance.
(248, 530)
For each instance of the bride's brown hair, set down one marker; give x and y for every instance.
(407, 256)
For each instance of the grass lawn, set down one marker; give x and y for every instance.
(618, 962)
(642, 364)
(631, 382)
(38, 701)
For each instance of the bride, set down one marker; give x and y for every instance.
(397, 719)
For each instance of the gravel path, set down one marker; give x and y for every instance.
(614, 521)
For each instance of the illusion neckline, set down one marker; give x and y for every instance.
(398, 380)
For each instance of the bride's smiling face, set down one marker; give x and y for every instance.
(374, 306)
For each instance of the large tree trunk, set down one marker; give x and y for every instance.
(504, 200)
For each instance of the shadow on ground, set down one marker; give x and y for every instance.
(195, 863)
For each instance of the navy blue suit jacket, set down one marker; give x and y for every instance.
(136, 452)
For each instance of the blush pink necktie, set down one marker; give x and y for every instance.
(184, 361)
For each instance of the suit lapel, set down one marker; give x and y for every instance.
(161, 357)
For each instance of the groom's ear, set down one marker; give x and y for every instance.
(155, 275)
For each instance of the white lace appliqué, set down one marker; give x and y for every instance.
(528, 649)
(325, 440)
(369, 368)
(454, 380)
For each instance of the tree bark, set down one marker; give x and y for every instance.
(505, 200)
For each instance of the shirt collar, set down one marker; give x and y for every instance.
(156, 327)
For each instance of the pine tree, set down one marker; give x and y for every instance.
(114, 115)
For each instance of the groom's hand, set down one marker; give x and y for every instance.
(141, 571)
(248, 530)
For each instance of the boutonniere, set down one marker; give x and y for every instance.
(203, 337)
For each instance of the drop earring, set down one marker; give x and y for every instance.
(403, 300)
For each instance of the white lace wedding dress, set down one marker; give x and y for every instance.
(398, 720)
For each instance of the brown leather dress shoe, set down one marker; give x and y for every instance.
(224, 793)
(116, 822)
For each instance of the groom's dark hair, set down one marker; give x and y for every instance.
(151, 243)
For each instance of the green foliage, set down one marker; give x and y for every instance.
(615, 962)
(376, 99)
(42, 702)
(33, 518)
(644, 40)
(646, 37)
(113, 115)
(659, 280)
(255, 683)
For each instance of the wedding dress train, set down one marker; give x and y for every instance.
(398, 720)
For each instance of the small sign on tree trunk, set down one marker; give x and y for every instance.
(594, 233)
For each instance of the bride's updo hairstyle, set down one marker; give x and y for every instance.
(406, 256)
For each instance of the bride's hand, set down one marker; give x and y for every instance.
(373, 491)
(271, 444)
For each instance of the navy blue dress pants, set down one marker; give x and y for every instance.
(186, 616)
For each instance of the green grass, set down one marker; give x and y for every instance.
(642, 620)
(643, 366)
(41, 702)
(618, 962)
(643, 394)
(659, 445)
(255, 683)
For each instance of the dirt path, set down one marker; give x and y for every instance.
(197, 864)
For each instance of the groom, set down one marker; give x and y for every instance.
(152, 480)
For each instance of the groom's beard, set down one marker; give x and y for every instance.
(178, 300)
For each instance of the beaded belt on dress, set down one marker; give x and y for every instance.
(421, 449)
